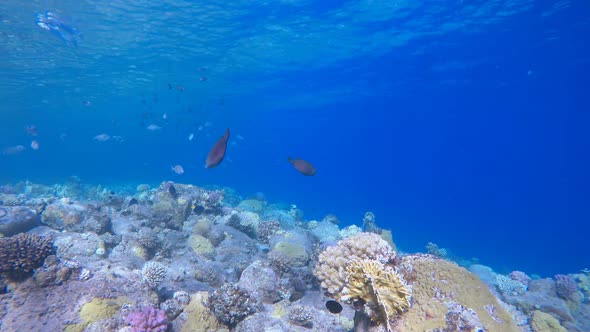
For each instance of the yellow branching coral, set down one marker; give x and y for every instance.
(358, 268)
(380, 287)
(332, 262)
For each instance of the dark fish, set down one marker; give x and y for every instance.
(334, 307)
(172, 191)
(217, 152)
(31, 130)
(304, 167)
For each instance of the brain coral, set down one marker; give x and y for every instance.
(332, 262)
(22, 253)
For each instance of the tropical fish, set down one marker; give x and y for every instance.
(304, 167)
(102, 137)
(51, 22)
(13, 149)
(334, 307)
(31, 130)
(153, 127)
(177, 169)
(217, 152)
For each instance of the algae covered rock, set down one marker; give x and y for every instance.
(261, 281)
(200, 244)
(197, 317)
(64, 215)
(18, 219)
(96, 310)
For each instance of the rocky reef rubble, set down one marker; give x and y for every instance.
(178, 257)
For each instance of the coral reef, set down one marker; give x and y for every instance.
(175, 257)
(21, 254)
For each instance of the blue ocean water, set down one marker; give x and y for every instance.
(458, 122)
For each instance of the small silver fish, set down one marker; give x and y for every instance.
(177, 169)
(191, 136)
(153, 127)
(13, 149)
(102, 137)
(35, 145)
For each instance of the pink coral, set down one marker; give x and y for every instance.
(149, 319)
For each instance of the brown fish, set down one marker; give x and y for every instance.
(217, 152)
(304, 167)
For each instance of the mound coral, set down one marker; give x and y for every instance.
(443, 292)
(231, 304)
(23, 253)
(544, 322)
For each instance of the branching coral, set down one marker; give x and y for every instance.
(22, 253)
(380, 287)
(332, 262)
(153, 273)
(355, 270)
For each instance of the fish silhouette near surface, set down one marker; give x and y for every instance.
(217, 152)
(304, 167)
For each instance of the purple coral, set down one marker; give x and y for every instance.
(566, 287)
(148, 319)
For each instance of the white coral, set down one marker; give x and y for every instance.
(153, 273)
(332, 262)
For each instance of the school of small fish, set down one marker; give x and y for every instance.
(214, 158)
